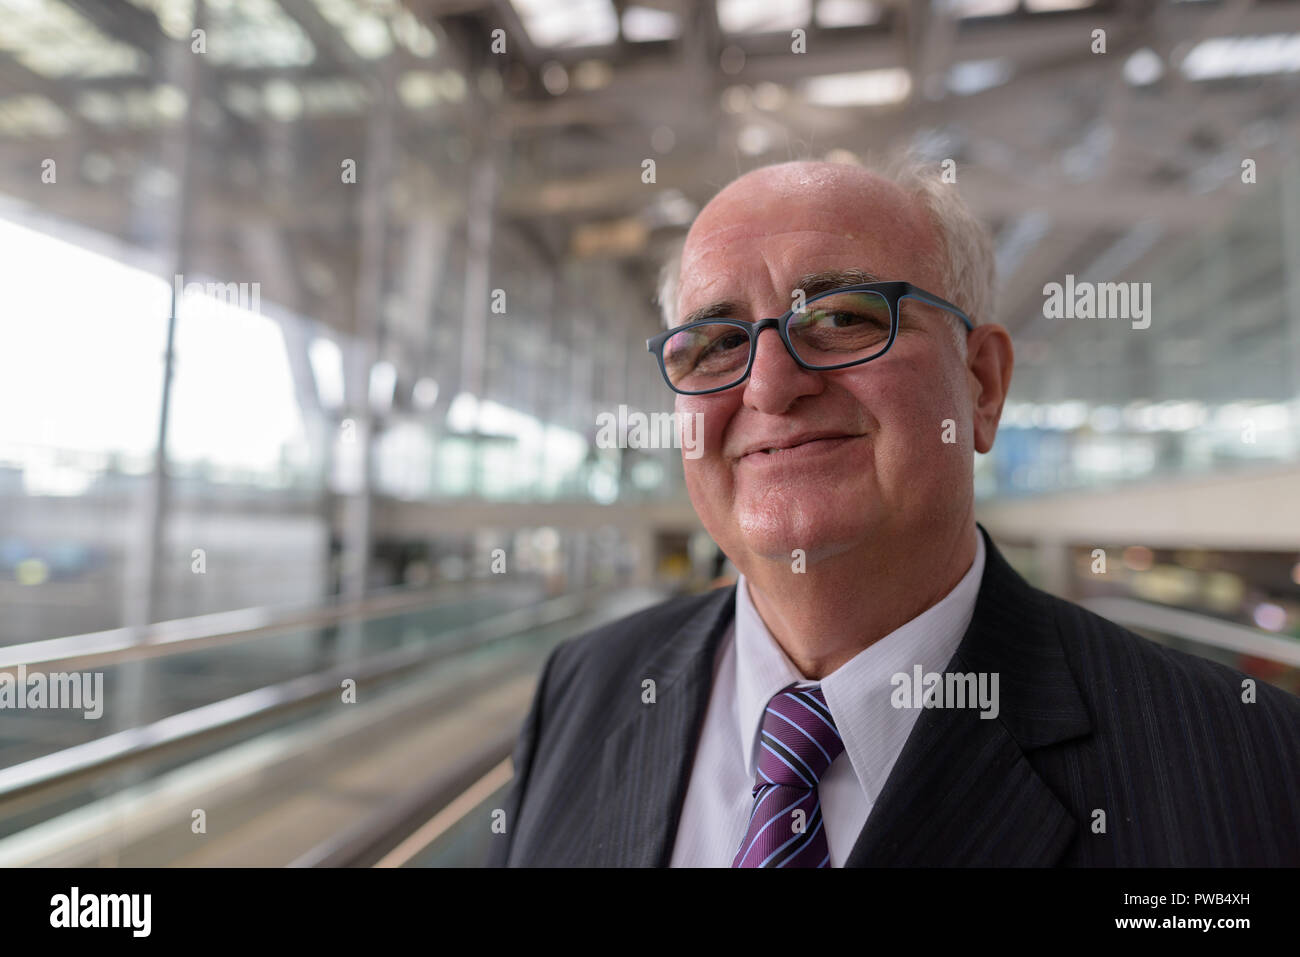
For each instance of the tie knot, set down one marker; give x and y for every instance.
(799, 740)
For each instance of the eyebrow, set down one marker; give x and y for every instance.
(812, 284)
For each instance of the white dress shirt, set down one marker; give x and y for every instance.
(751, 667)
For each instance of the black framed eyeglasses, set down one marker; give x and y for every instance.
(842, 327)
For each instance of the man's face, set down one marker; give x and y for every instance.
(876, 468)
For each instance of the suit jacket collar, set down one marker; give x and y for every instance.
(962, 790)
(647, 760)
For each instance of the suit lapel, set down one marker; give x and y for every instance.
(962, 790)
(646, 762)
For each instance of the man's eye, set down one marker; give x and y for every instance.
(734, 341)
(841, 319)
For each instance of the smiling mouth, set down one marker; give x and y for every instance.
(824, 441)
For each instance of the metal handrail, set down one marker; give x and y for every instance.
(178, 636)
(133, 744)
(1181, 623)
(369, 840)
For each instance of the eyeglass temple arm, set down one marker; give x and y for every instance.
(914, 293)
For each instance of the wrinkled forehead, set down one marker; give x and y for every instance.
(746, 241)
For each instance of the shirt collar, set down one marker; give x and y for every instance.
(858, 692)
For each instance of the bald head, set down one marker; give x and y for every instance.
(908, 203)
(852, 198)
(803, 182)
(801, 200)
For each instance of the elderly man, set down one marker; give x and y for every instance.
(880, 687)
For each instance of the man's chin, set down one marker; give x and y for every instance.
(800, 547)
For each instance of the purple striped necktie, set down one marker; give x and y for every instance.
(798, 743)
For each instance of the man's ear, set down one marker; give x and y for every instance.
(989, 358)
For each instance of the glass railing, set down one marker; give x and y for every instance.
(260, 732)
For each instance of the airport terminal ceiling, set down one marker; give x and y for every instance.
(1076, 164)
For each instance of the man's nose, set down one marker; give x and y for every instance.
(776, 380)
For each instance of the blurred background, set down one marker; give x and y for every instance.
(311, 309)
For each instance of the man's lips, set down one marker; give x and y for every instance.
(774, 446)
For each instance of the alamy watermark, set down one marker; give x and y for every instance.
(632, 429)
(952, 689)
(241, 295)
(130, 911)
(60, 690)
(1098, 300)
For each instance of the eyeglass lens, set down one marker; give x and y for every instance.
(829, 331)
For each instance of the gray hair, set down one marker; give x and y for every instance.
(966, 260)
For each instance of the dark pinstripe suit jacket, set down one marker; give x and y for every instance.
(1093, 718)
